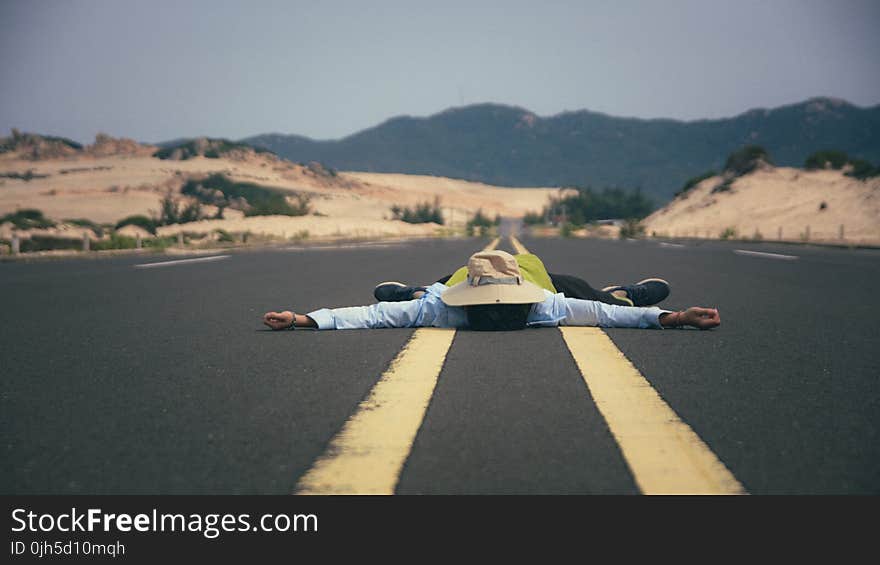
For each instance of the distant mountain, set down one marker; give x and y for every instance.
(511, 146)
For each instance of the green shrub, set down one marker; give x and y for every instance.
(28, 218)
(632, 229)
(825, 159)
(44, 243)
(533, 218)
(587, 206)
(422, 213)
(139, 220)
(863, 170)
(259, 200)
(84, 223)
(224, 236)
(745, 160)
(114, 242)
(566, 229)
(728, 233)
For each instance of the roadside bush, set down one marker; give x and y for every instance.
(422, 213)
(728, 233)
(114, 242)
(43, 243)
(28, 218)
(480, 224)
(533, 218)
(632, 229)
(139, 220)
(588, 205)
(84, 223)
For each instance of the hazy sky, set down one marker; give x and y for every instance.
(159, 70)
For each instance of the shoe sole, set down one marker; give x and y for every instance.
(627, 299)
(608, 288)
(395, 283)
(653, 280)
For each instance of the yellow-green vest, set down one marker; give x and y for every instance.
(531, 266)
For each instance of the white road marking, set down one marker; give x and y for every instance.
(664, 244)
(181, 262)
(368, 244)
(767, 255)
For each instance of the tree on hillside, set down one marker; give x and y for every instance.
(826, 159)
(745, 160)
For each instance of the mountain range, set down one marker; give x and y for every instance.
(511, 146)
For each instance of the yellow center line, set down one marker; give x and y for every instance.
(517, 246)
(663, 453)
(367, 455)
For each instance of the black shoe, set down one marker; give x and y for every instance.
(395, 292)
(644, 293)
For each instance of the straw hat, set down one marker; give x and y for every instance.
(493, 278)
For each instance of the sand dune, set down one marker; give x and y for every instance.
(773, 201)
(105, 189)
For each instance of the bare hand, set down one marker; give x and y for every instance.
(278, 320)
(703, 318)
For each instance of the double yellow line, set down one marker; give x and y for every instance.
(367, 455)
(663, 453)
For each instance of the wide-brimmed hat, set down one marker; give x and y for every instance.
(493, 277)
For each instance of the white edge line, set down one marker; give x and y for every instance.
(180, 261)
(664, 244)
(767, 255)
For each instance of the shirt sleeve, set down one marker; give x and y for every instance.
(379, 315)
(592, 313)
(429, 310)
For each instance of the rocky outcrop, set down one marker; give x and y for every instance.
(107, 146)
(35, 147)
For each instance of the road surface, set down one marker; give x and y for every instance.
(121, 378)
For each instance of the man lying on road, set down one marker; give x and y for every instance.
(495, 293)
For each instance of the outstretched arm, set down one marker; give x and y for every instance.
(703, 318)
(284, 320)
(592, 313)
(380, 315)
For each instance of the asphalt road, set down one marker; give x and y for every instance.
(117, 379)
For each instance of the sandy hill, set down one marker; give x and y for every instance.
(802, 204)
(116, 178)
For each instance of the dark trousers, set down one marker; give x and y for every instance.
(574, 287)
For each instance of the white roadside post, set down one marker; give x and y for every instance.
(85, 241)
(137, 241)
(180, 239)
(16, 244)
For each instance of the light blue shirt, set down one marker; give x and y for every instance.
(431, 311)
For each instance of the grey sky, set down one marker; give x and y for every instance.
(160, 70)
